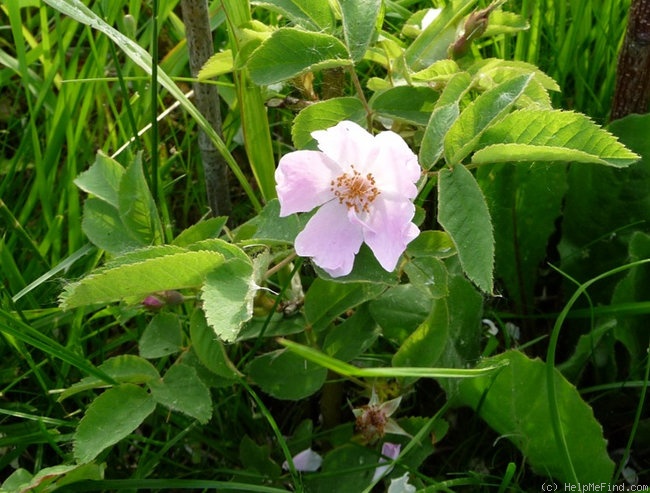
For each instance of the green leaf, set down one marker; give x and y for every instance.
(111, 417)
(272, 227)
(182, 390)
(632, 332)
(103, 226)
(323, 115)
(400, 310)
(210, 228)
(457, 86)
(353, 336)
(439, 72)
(218, 64)
(286, 375)
(463, 348)
(359, 20)
(428, 274)
(290, 52)
(327, 300)
(184, 269)
(432, 43)
(431, 244)
(162, 336)
(524, 202)
(227, 297)
(464, 214)
(424, 346)
(543, 135)
(51, 478)
(102, 179)
(487, 109)
(125, 368)
(441, 120)
(257, 458)
(514, 402)
(310, 14)
(209, 350)
(408, 103)
(137, 206)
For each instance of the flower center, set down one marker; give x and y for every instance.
(355, 190)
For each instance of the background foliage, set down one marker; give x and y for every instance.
(197, 412)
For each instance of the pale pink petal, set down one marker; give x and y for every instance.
(330, 239)
(346, 143)
(390, 450)
(304, 180)
(305, 461)
(389, 230)
(396, 168)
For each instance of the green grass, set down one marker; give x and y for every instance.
(65, 93)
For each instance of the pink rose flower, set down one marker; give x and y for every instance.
(364, 186)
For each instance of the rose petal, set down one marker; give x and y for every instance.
(304, 180)
(330, 239)
(305, 461)
(346, 143)
(396, 168)
(390, 450)
(389, 230)
(401, 485)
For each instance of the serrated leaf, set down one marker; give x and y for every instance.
(137, 206)
(485, 110)
(463, 213)
(359, 18)
(111, 417)
(227, 296)
(162, 336)
(182, 390)
(218, 64)
(551, 135)
(179, 270)
(125, 368)
(323, 115)
(310, 14)
(432, 147)
(440, 71)
(290, 52)
(408, 103)
(102, 179)
(455, 89)
(514, 402)
(286, 375)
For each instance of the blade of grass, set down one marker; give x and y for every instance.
(84, 15)
(348, 370)
(255, 124)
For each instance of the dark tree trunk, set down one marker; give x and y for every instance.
(633, 73)
(200, 45)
